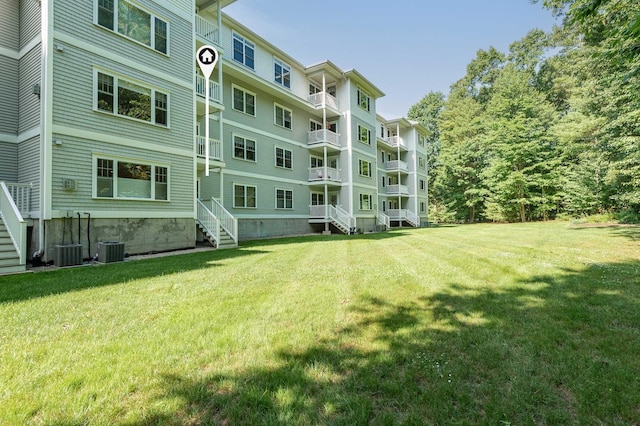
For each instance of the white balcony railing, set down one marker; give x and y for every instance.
(397, 165)
(207, 30)
(324, 99)
(324, 174)
(214, 88)
(395, 142)
(397, 190)
(215, 148)
(324, 136)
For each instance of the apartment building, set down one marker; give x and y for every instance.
(102, 138)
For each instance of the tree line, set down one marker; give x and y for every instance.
(550, 128)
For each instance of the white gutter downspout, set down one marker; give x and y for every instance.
(46, 119)
(350, 148)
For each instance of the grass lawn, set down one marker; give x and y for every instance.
(481, 324)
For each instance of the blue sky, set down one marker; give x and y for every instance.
(407, 48)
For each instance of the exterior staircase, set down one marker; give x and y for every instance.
(217, 225)
(9, 258)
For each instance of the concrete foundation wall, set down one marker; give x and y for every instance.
(253, 229)
(366, 224)
(138, 235)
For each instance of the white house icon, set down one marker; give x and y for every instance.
(206, 56)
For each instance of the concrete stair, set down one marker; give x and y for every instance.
(9, 260)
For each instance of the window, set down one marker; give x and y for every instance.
(244, 196)
(384, 181)
(284, 199)
(423, 207)
(423, 185)
(365, 202)
(119, 96)
(364, 135)
(282, 116)
(317, 199)
(244, 149)
(364, 100)
(314, 125)
(126, 179)
(421, 140)
(364, 168)
(243, 51)
(421, 162)
(244, 101)
(283, 158)
(282, 73)
(132, 22)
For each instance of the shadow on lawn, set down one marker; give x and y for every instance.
(553, 349)
(14, 288)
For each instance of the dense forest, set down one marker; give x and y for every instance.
(549, 129)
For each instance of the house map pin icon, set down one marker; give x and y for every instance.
(207, 57)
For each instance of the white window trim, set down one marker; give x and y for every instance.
(422, 185)
(117, 77)
(360, 162)
(361, 92)
(275, 157)
(245, 199)
(233, 151)
(152, 26)
(285, 199)
(422, 162)
(117, 159)
(275, 115)
(370, 197)
(360, 128)
(244, 96)
(245, 41)
(284, 66)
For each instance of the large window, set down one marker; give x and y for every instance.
(364, 135)
(364, 168)
(364, 100)
(284, 199)
(122, 97)
(244, 196)
(243, 51)
(243, 148)
(124, 18)
(282, 116)
(244, 101)
(282, 73)
(284, 158)
(365, 201)
(127, 179)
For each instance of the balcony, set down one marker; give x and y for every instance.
(324, 136)
(324, 174)
(214, 88)
(207, 30)
(394, 142)
(397, 166)
(397, 190)
(324, 99)
(215, 148)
